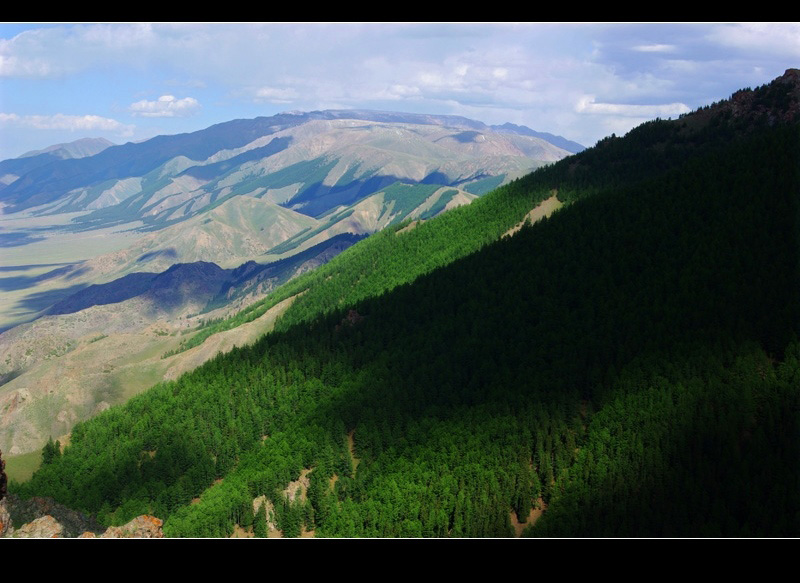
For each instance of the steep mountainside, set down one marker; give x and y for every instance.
(637, 347)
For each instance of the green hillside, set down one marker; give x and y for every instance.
(628, 365)
(390, 257)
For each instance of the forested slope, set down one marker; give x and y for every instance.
(631, 363)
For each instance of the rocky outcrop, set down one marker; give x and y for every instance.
(44, 518)
(264, 504)
(27, 517)
(48, 527)
(44, 527)
(5, 521)
(776, 102)
(299, 487)
(144, 526)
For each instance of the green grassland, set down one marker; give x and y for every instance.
(20, 468)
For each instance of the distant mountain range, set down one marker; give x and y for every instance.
(259, 189)
(310, 161)
(216, 218)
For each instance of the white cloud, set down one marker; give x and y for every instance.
(609, 124)
(276, 95)
(779, 38)
(60, 121)
(684, 66)
(655, 48)
(400, 91)
(63, 50)
(165, 106)
(11, 66)
(191, 48)
(500, 73)
(586, 104)
(532, 74)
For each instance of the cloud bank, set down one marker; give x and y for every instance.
(581, 81)
(165, 106)
(61, 121)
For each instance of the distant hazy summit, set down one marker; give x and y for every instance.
(78, 149)
(443, 120)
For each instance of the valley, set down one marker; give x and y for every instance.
(104, 314)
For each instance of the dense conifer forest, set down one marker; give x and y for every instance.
(630, 365)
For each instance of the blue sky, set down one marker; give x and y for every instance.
(132, 81)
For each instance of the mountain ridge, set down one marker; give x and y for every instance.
(344, 175)
(80, 148)
(46, 184)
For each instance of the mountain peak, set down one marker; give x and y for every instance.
(76, 149)
(791, 75)
(774, 102)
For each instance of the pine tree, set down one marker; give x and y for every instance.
(260, 522)
(48, 452)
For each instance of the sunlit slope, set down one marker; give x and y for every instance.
(55, 370)
(326, 164)
(87, 371)
(314, 176)
(228, 234)
(311, 162)
(396, 256)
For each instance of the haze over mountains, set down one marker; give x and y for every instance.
(11, 170)
(77, 149)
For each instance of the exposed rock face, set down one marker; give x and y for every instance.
(44, 527)
(5, 521)
(779, 100)
(263, 504)
(29, 514)
(69, 523)
(44, 518)
(144, 526)
(299, 487)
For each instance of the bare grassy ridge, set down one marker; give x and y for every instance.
(54, 394)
